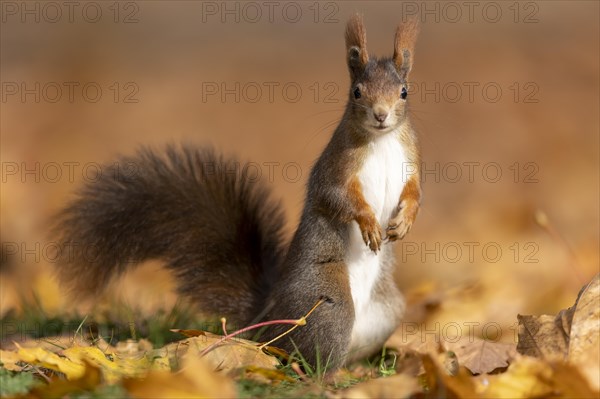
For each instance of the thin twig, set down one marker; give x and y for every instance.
(243, 330)
(42, 374)
(224, 325)
(296, 367)
(544, 222)
(296, 323)
(303, 322)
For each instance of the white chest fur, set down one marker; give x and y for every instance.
(382, 178)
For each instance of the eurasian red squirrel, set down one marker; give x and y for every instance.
(221, 234)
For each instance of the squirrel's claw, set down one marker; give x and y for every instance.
(398, 232)
(372, 239)
(391, 235)
(370, 231)
(399, 226)
(375, 241)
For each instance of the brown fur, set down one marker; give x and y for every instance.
(356, 44)
(404, 44)
(368, 224)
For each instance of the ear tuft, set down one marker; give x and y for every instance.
(404, 45)
(356, 45)
(354, 55)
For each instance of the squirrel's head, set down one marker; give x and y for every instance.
(379, 87)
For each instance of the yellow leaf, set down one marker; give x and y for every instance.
(527, 377)
(530, 377)
(111, 371)
(268, 375)
(49, 360)
(59, 388)
(440, 384)
(9, 360)
(396, 386)
(196, 379)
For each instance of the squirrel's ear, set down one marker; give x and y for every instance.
(404, 46)
(356, 46)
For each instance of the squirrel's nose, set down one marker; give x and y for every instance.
(381, 116)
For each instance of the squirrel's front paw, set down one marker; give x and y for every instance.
(370, 230)
(400, 224)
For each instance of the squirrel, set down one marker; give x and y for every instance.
(222, 234)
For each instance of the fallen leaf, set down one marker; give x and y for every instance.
(396, 386)
(438, 384)
(409, 362)
(72, 365)
(275, 351)
(267, 375)
(481, 356)
(529, 377)
(526, 378)
(9, 360)
(573, 334)
(133, 347)
(450, 363)
(54, 343)
(189, 333)
(49, 360)
(232, 354)
(195, 379)
(59, 388)
(77, 354)
(584, 343)
(112, 370)
(543, 336)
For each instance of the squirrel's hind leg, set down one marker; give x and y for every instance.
(324, 340)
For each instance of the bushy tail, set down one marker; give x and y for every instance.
(216, 229)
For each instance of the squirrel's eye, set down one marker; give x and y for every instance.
(403, 93)
(356, 93)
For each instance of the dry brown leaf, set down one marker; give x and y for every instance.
(584, 343)
(481, 356)
(189, 333)
(543, 336)
(409, 362)
(420, 343)
(232, 354)
(196, 379)
(574, 334)
(478, 355)
(396, 386)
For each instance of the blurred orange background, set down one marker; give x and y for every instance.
(505, 96)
